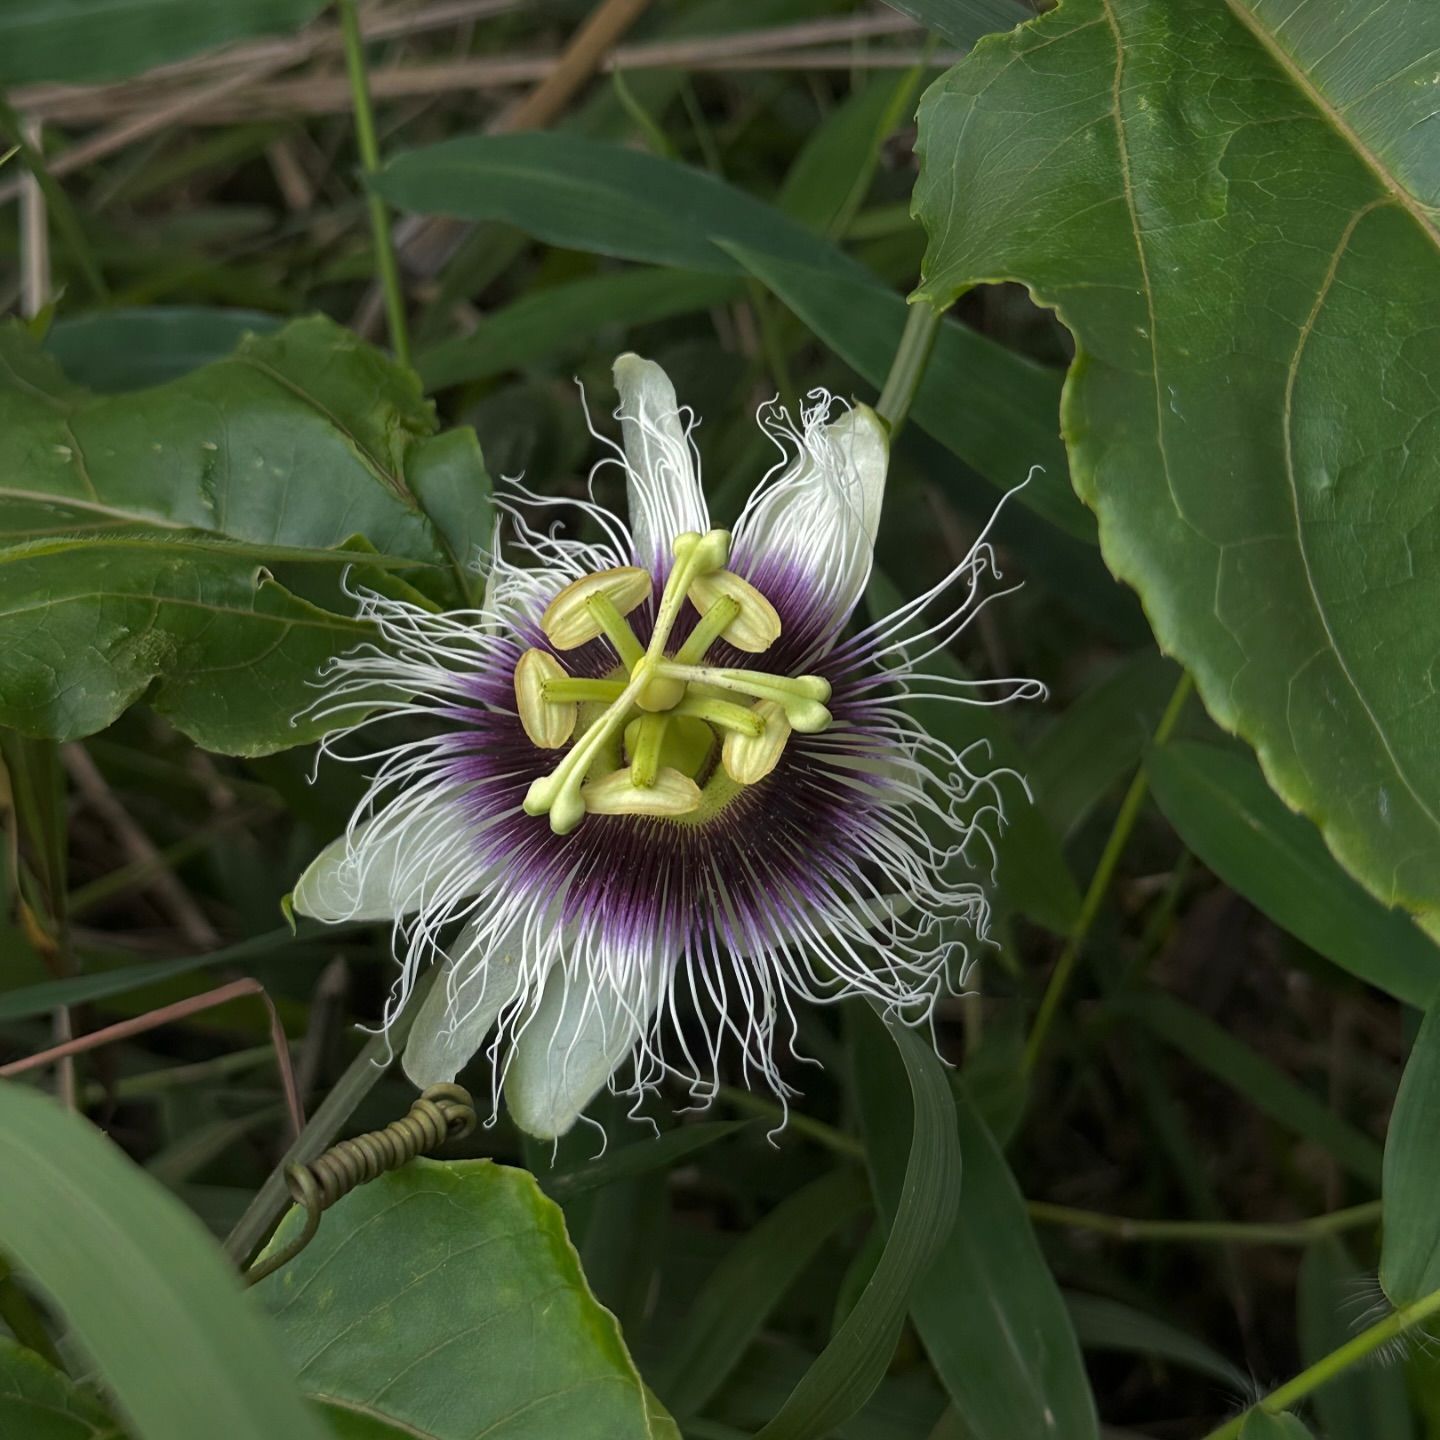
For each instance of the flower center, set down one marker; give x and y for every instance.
(649, 733)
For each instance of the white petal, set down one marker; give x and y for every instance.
(463, 1004)
(580, 1034)
(664, 490)
(823, 513)
(410, 852)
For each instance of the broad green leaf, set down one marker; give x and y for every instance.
(996, 409)
(300, 438)
(727, 1312)
(163, 536)
(560, 321)
(122, 350)
(1223, 810)
(1031, 872)
(1410, 1252)
(1099, 739)
(87, 625)
(988, 1311)
(84, 40)
(1368, 1400)
(1268, 1088)
(927, 1171)
(40, 1403)
(1104, 1324)
(1261, 1425)
(445, 1301)
(143, 1289)
(1169, 175)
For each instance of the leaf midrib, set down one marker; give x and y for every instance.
(1364, 153)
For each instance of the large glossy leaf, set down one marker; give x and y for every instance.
(144, 1290)
(1219, 803)
(39, 1403)
(988, 1311)
(149, 533)
(1233, 207)
(445, 1301)
(81, 40)
(1410, 1254)
(300, 438)
(997, 409)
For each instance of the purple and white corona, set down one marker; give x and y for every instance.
(659, 793)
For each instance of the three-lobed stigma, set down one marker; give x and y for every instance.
(642, 741)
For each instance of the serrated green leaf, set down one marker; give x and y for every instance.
(445, 1301)
(40, 1403)
(1169, 175)
(1222, 808)
(1410, 1250)
(145, 1291)
(87, 625)
(114, 351)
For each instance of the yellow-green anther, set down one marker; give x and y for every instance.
(749, 758)
(740, 719)
(547, 719)
(616, 629)
(756, 625)
(709, 629)
(671, 794)
(645, 761)
(569, 620)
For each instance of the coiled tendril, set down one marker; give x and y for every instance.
(441, 1113)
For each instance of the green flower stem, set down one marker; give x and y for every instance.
(370, 163)
(57, 203)
(1329, 1367)
(1203, 1232)
(816, 1130)
(1125, 820)
(907, 369)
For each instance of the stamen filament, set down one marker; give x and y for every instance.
(722, 714)
(571, 690)
(800, 696)
(616, 629)
(709, 629)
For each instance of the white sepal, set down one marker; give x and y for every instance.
(665, 499)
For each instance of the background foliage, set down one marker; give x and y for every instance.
(1187, 258)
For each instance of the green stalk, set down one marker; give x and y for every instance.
(1202, 1232)
(1329, 1367)
(1125, 820)
(57, 203)
(370, 163)
(907, 369)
